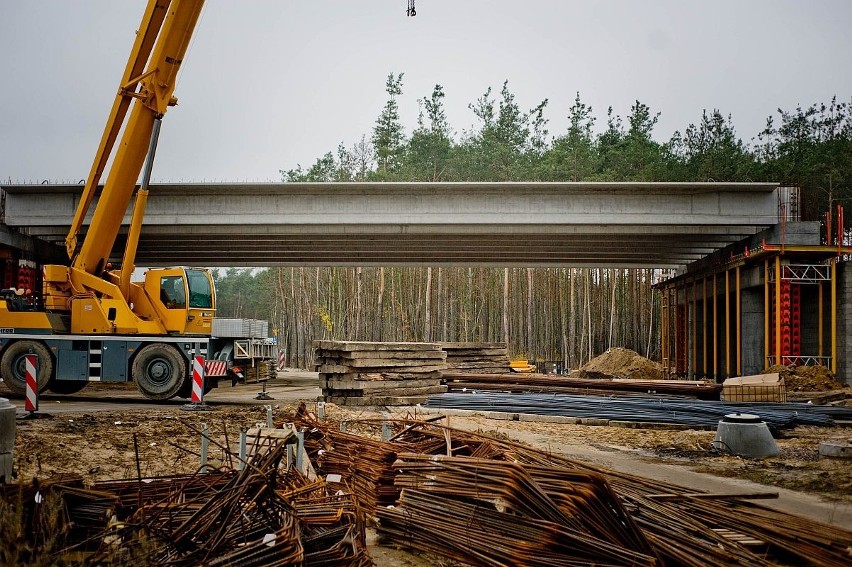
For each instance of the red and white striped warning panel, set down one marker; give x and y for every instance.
(31, 403)
(282, 363)
(198, 380)
(215, 368)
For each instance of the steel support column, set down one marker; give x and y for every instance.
(821, 322)
(727, 323)
(777, 310)
(834, 316)
(704, 328)
(739, 323)
(694, 363)
(664, 327)
(715, 330)
(681, 330)
(766, 314)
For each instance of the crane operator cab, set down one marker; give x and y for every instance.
(183, 297)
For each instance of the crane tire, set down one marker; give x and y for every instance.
(159, 371)
(13, 366)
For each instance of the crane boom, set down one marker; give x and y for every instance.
(149, 78)
(152, 21)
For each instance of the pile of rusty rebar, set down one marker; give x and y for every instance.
(467, 497)
(481, 500)
(494, 512)
(264, 514)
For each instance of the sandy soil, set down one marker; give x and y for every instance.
(620, 362)
(158, 440)
(104, 444)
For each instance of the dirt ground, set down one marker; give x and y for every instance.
(105, 444)
(622, 363)
(159, 440)
(806, 378)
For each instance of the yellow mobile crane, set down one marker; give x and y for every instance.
(93, 323)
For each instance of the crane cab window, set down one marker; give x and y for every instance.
(173, 292)
(200, 290)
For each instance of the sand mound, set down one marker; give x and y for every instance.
(622, 363)
(806, 378)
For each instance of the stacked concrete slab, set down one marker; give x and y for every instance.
(372, 373)
(240, 328)
(262, 371)
(477, 358)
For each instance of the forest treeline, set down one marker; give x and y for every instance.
(546, 314)
(556, 314)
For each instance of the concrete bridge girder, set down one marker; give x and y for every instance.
(502, 224)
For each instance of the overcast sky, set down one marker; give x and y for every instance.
(269, 84)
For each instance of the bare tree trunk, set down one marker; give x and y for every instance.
(443, 304)
(427, 319)
(482, 311)
(650, 326)
(284, 328)
(416, 284)
(442, 279)
(572, 322)
(589, 310)
(506, 306)
(563, 330)
(611, 309)
(300, 324)
(358, 303)
(468, 304)
(530, 312)
(380, 308)
(581, 351)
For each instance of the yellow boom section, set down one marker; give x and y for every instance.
(161, 43)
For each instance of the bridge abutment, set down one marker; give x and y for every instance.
(781, 297)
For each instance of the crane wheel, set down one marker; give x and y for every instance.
(14, 369)
(159, 371)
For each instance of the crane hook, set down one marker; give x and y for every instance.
(411, 12)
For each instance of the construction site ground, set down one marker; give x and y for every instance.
(92, 433)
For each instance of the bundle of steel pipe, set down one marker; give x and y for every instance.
(641, 408)
(543, 383)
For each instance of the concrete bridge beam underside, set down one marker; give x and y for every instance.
(456, 224)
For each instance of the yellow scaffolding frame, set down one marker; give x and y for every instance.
(771, 256)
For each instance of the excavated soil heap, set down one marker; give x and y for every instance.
(806, 378)
(622, 363)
